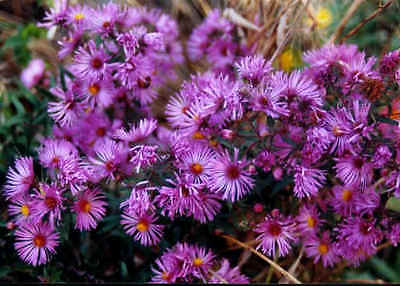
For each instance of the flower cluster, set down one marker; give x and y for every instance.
(187, 263)
(328, 132)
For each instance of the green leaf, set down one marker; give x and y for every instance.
(393, 204)
(384, 269)
(124, 269)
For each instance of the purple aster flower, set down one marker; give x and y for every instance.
(177, 108)
(78, 16)
(394, 234)
(55, 16)
(265, 160)
(100, 93)
(308, 220)
(139, 132)
(187, 198)
(53, 151)
(144, 156)
(381, 156)
(104, 19)
(359, 233)
(134, 71)
(35, 243)
(354, 170)
(254, 69)
(89, 208)
(129, 42)
(197, 162)
(110, 156)
(393, 182)
(21, 209)
(20, 178)
(230, 275)
(200, 261)
(300, 92)
(48, 200)
(90, 63)
(69, 43)
(229, 176)
(72, 174)
(389, 63)
(271, 103)
(33, 73)
(367, 201)
(142, 227)
(276, 234)
(338, 124)
(307, 181)
(65, 111)
(165, 270)
(322, 249)
(344, 199)
(139, 200)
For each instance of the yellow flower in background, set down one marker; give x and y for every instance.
(323, 17)
(289, 59)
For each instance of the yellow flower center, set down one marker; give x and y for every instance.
(323, 248)
(197, 262)
(198, 135)
(213, 143)
(25, 210)
(347, 195)
(310, 222)
(39, 240)
(79, 16)
(142, 226)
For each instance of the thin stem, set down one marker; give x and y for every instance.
(220, 278)
(263, 257)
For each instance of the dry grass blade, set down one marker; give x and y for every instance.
(219, 277)
(239, 20)
(366, 20)
(263, 257)
(294, 266)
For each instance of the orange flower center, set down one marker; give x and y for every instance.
(84, 206)
(347, 195)
(310, 222)
(323, 248)
(39, 240)
(142, 226)
(197, 262)
(196, 168)
(166, 276)
(337, 132)
(198, 135)
(94, 89)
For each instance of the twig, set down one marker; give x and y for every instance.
(366, 20)
(345, 19)
(294, 266)
(263, 257)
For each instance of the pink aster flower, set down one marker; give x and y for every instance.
(48, 200)
(139, 200)
(165, 270)
(229, 176)
(90, 63)
(199, 261)
(65, 111)
(142, 227)
(53, 151)
(20, 178)
(308, 220)
(35, 243)
(144, 128)
(308, 181)
(230, 275)
(177, 108)
(33, 73)
(254, 69)
(343, 200)
(354, 170)
(21, 209)
(197, 163)
(69, 43)
(322, 249)
(89, 209)
(99, 93)
(276, 234)
(144, 156)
